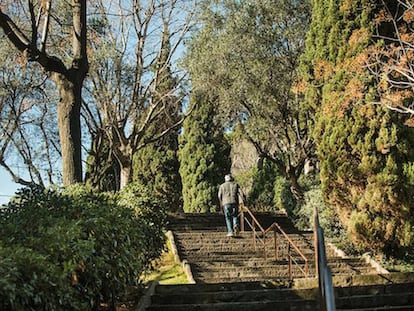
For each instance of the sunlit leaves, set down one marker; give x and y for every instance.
(364, 149)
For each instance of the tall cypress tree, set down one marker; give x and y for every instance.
(157, 165)
(366, 152)
(204, 157)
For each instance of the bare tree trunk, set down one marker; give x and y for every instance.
(69, 128)
(68, 80)
(126, 172)
(295, 188)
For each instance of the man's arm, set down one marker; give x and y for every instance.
(219, 197)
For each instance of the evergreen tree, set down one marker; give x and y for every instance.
(156, 165)
(366, 152)
(204, 157)
(262, 193)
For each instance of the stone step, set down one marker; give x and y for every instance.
(221, 287)
(226, 271)
(268, 296)
(362, 296)
(266, 264)
(193, 221)
(231, 296)
(210, 235)
(260, 260)
(239, 241)
(219, 242)
(382, 308)
(239, 274)
(235, 256)
(297, 305)
(248, 275)
(231, 275)
(375, 301)
(232, 249)
(240, 244)
(234, 296)
(212, 280)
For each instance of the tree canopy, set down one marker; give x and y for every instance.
(247, 54)
(328, 82)
(365, 150)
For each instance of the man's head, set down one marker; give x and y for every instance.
(228, 177)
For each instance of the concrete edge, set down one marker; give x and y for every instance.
(358, 280)
(368, 259)
(184, 263)
(145, 300)
(339, 252)
(374, 264)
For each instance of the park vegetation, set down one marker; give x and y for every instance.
(113, 113)
(75, 249)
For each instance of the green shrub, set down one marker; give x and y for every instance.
(30, 281)
(262, 193)
(283, 197)
(81, 249)
(151, 211)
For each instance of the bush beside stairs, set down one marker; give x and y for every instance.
(228, 273)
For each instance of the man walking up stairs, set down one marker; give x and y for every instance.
(231, 274)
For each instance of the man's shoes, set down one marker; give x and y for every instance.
(230, 234)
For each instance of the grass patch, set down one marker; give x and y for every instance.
(166, 270)
(405, 264)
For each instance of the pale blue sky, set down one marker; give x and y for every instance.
(7, 187)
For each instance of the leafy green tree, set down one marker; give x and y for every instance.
(204, 157)
(246, 54)
(365, 151)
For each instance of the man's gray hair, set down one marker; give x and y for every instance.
(228, 177)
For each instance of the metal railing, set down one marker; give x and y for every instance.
(327, 297)
(259, 234)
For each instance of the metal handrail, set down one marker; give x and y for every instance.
(254, 222)
(326, 292)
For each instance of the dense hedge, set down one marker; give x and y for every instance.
(73, 249)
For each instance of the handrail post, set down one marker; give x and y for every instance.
(327, 297)
(290, 262)
(254, 236)
(242, 218)
(315, 238)
(275, 227)
(306, 268)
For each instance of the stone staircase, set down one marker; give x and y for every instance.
(214, 257)
(229, 274)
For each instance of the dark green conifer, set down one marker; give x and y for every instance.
(365, 150)
(204, 157)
